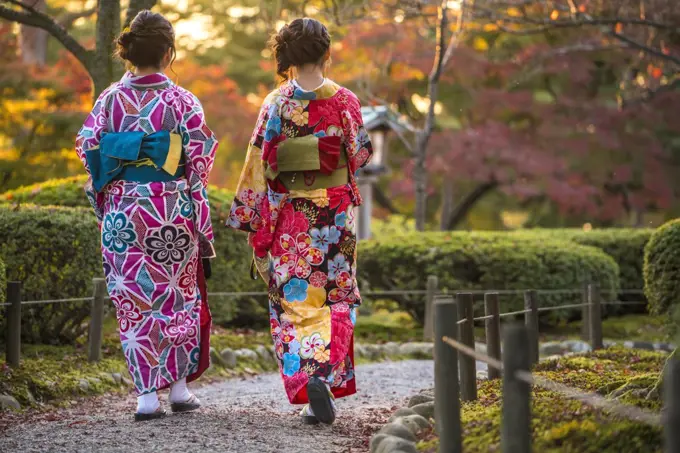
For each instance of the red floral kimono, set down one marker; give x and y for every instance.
(308, 235)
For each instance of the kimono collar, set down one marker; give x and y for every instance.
(292, 90)
(156, 81)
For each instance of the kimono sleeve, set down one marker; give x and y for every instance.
(357, 141)
(200, 146)
(250, 203)
(95, 125)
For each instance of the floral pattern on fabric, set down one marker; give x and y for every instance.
(309, 237)
(154, 234)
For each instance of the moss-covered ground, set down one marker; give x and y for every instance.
(568, 426)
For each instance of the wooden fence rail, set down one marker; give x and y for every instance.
(13, 352)
(13, 328)
(446, 389)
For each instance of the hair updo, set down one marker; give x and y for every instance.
(303, 41)
(145, 43)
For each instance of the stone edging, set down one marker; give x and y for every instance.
(399, 435)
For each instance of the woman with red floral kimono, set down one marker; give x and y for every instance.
(296, 198)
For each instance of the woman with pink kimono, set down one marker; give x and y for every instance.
(149, 152)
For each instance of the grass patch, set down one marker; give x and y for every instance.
(384, 325)
(239, 339)
(568, 426)
(640, 327)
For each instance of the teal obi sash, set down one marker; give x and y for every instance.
(136, 157)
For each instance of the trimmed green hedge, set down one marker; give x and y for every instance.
(662, 270)
(67, 243)
(53, 251)
(625, 245)
(54, 192)
(546, 250)
(480, 261)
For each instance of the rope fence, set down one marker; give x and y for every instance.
(14, 304)
(454, 349)
(513, 313)
(373, 294)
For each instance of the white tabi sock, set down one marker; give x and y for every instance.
(148, 403)
(179, 393)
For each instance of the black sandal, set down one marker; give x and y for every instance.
(158, 413)
(189, 405)
(321, 401)
(306, 416)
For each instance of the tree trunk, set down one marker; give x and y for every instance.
(108, 26)
(639, 219)
(135, 7)
(467, 203)
(33, 41)
(447, 203)
(420, 180)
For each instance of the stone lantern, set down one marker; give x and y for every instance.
(378, 121)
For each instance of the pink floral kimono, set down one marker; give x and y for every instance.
(155, 233)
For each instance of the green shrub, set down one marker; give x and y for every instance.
(482, 261)
(662, 269)
(53, 192)
(231, 271)
(54, 252)
(625, 245)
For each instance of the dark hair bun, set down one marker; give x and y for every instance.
(123, 44)
(147, 41)
(303, 41)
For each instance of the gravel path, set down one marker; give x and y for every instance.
(240, 416)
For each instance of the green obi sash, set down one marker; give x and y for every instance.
(299, 164)
(136, 157)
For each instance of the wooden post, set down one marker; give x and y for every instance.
(671, 417)
(585, 314)
(595, 317)
(13, 351)
(97, 320)
(493, 331)
(428, 329)
(516, 411)
(446, 389)
(531, 321)
(466, 332)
